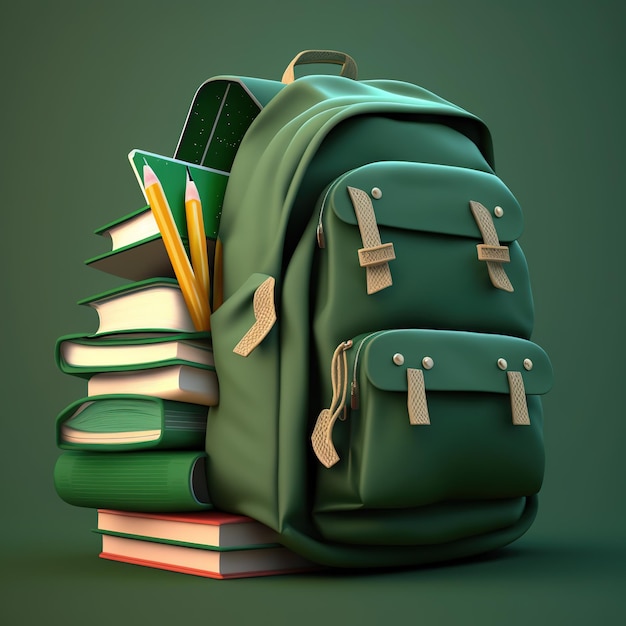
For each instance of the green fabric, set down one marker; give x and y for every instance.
(310, 134)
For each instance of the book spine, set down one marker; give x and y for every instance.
(181, 434)
(149, 481)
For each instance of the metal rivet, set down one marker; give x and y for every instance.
(498, 211)
(398, 358)
(427, 363)
(528, 364)
(377, 194)
(502, 364)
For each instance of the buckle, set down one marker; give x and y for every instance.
(497, 254)
(376, 255)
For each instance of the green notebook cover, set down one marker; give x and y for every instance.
(172, 174)
(220, 114)
(128, 422)
(199, 342)
(153, 481)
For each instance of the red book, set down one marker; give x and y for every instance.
(208, 543)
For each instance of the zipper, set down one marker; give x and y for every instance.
(354, 385)
(319, 231)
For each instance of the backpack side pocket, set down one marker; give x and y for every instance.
(247, 366)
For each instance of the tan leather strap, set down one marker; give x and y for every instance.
(416, 398)
(265, 316)
(321, 438)
(491, 251)
(348, 64)
(519, 406)
(374, 256)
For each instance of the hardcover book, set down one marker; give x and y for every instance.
(157, 481)
(84, 355)
(214, 528)
(142, 260)
(130, 229)
(180, 382)
(118, 422)
(137, 248)
(150, 304)
(202, 561)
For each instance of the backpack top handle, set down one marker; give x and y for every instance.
(348, 64)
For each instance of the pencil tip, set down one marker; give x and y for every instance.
(188, 173)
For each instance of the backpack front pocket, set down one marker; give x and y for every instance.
(431, 416)
(416, 245)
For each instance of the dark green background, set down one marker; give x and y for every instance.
(83, 83)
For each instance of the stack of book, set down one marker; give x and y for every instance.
(134, 447)
(212, 544)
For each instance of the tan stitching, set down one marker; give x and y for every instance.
(491, 251)
(416, 398)
(376, 254)
(265, 317)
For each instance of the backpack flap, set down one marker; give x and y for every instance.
(430, 198)
(455, 361)
(415, 245)
(437, 416)
(434, 199)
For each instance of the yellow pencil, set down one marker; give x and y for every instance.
(197, 305)
(197, 237)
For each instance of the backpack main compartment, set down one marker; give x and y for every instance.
(400, 492)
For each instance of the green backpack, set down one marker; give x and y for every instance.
(379, 395)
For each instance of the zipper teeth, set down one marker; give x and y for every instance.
(321, 214)
(358, 353)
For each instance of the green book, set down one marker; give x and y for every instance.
(86, 355)
(180, 382)
(155, 304)
(172, 174)
(128, 422)
(137, 249)
(139, 261)
(129, 229)
(148, 480)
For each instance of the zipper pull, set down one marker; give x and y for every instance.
(321, 437)
(321, 241)
(354, 395)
